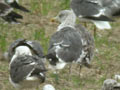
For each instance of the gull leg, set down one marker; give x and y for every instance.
(37, 88)
(95, 31)
(70, 70)
(56, 77)
(77, 66)
(80, 67)
(85, 24)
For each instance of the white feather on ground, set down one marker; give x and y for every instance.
(48, 87)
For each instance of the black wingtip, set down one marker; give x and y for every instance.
(15, 15)
(116, 13)
(116, 87)
(12, 18)
(17, 6)
(101, 18)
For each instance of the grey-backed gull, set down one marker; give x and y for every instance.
(34, 46)
(113, 7)
(48, 87)
(26, 71)
(110, 84)
(93, 11)
(26, 64)
(14, 4)
(7, 13)
(71, 43)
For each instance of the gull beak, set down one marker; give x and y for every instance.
(53, 20)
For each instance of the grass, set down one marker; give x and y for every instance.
(37, 26)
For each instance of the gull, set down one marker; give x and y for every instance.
(27, 69)
(71, 43)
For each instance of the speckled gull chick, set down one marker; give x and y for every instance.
(27, 69)
(93, 11)
(110, 84)
(71, 43)
(7, 13)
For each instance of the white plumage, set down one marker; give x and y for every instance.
(21, 50)
(48, 87)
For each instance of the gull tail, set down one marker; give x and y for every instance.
(102, 25)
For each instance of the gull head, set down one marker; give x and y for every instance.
(63, 15)
(22, 50)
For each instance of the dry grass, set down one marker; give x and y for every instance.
(36, 26)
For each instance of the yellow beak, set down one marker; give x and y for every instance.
(54, 19)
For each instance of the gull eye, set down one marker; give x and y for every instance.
(61, 15)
